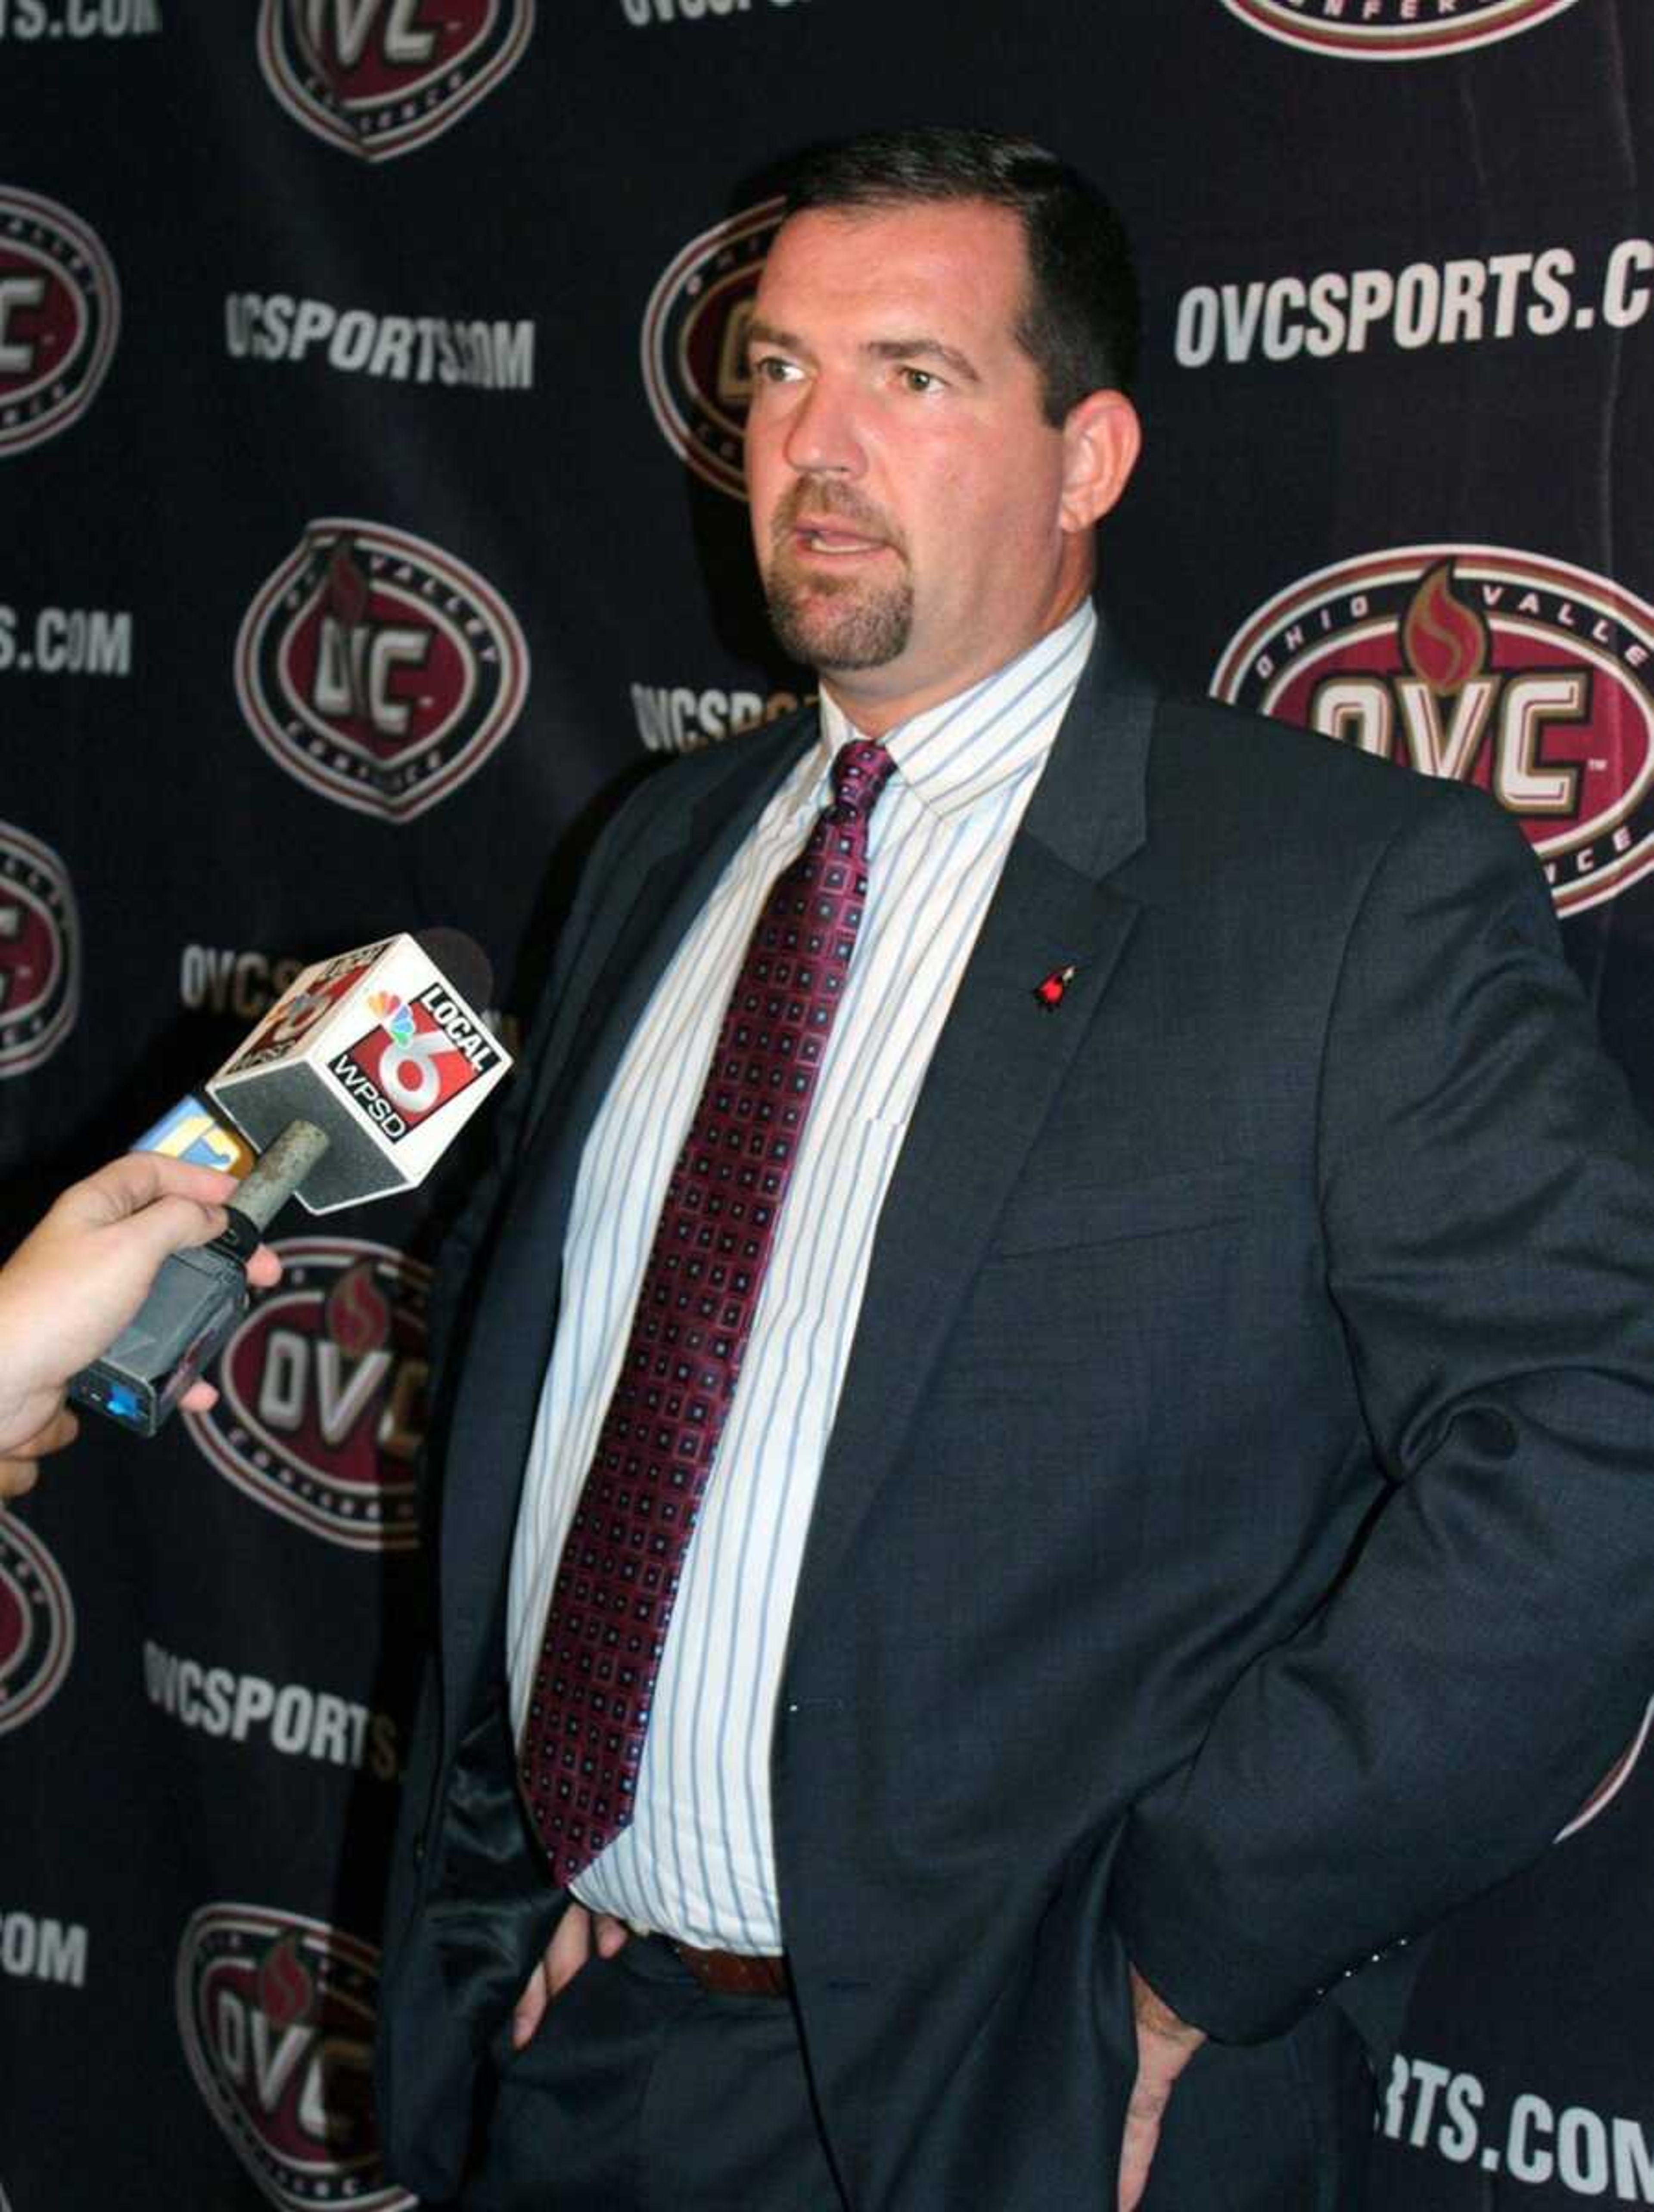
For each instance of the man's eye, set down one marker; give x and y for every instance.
(920, 379)
(771, 368)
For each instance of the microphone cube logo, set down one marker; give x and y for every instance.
(374, 1090)
(302, 1010)
(416, 1059)
(190, 1131)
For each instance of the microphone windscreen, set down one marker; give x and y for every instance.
(462, 960)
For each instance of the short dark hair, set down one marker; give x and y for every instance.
(1080, 323)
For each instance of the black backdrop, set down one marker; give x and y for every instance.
(369, 407)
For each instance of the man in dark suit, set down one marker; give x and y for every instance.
(1184, 1521)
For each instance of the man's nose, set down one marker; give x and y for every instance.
(823, 437)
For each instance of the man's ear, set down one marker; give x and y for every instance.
(1100, 438)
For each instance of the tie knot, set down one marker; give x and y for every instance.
(861, 771)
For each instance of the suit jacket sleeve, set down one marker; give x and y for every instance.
(1488, 1210)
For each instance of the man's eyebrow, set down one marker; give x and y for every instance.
(924, 349)
(759, 332)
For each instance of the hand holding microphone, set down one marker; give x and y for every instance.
(78, 1278)
(354, 1084)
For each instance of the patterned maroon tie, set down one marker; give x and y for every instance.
(605, 1626)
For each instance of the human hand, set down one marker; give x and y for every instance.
(1165, 2046)
(578, 1934)
(20, 1464)
(79, 1277)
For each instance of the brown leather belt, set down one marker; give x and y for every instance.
(735, 1973)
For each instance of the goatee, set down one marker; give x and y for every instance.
(825, 618)
(837, 623)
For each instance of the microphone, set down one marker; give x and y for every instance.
(382, 1051)
(354, 1084)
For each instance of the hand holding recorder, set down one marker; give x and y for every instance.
(76, 1281)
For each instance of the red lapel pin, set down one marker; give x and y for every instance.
(1049, 993)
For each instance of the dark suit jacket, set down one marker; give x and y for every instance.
(1236, 1544)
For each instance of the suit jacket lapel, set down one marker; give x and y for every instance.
(1000, 1060)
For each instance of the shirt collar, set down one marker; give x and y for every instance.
(956, 752)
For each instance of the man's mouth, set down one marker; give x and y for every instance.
(835, 543)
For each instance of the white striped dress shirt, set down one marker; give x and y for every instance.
(697, 1860)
